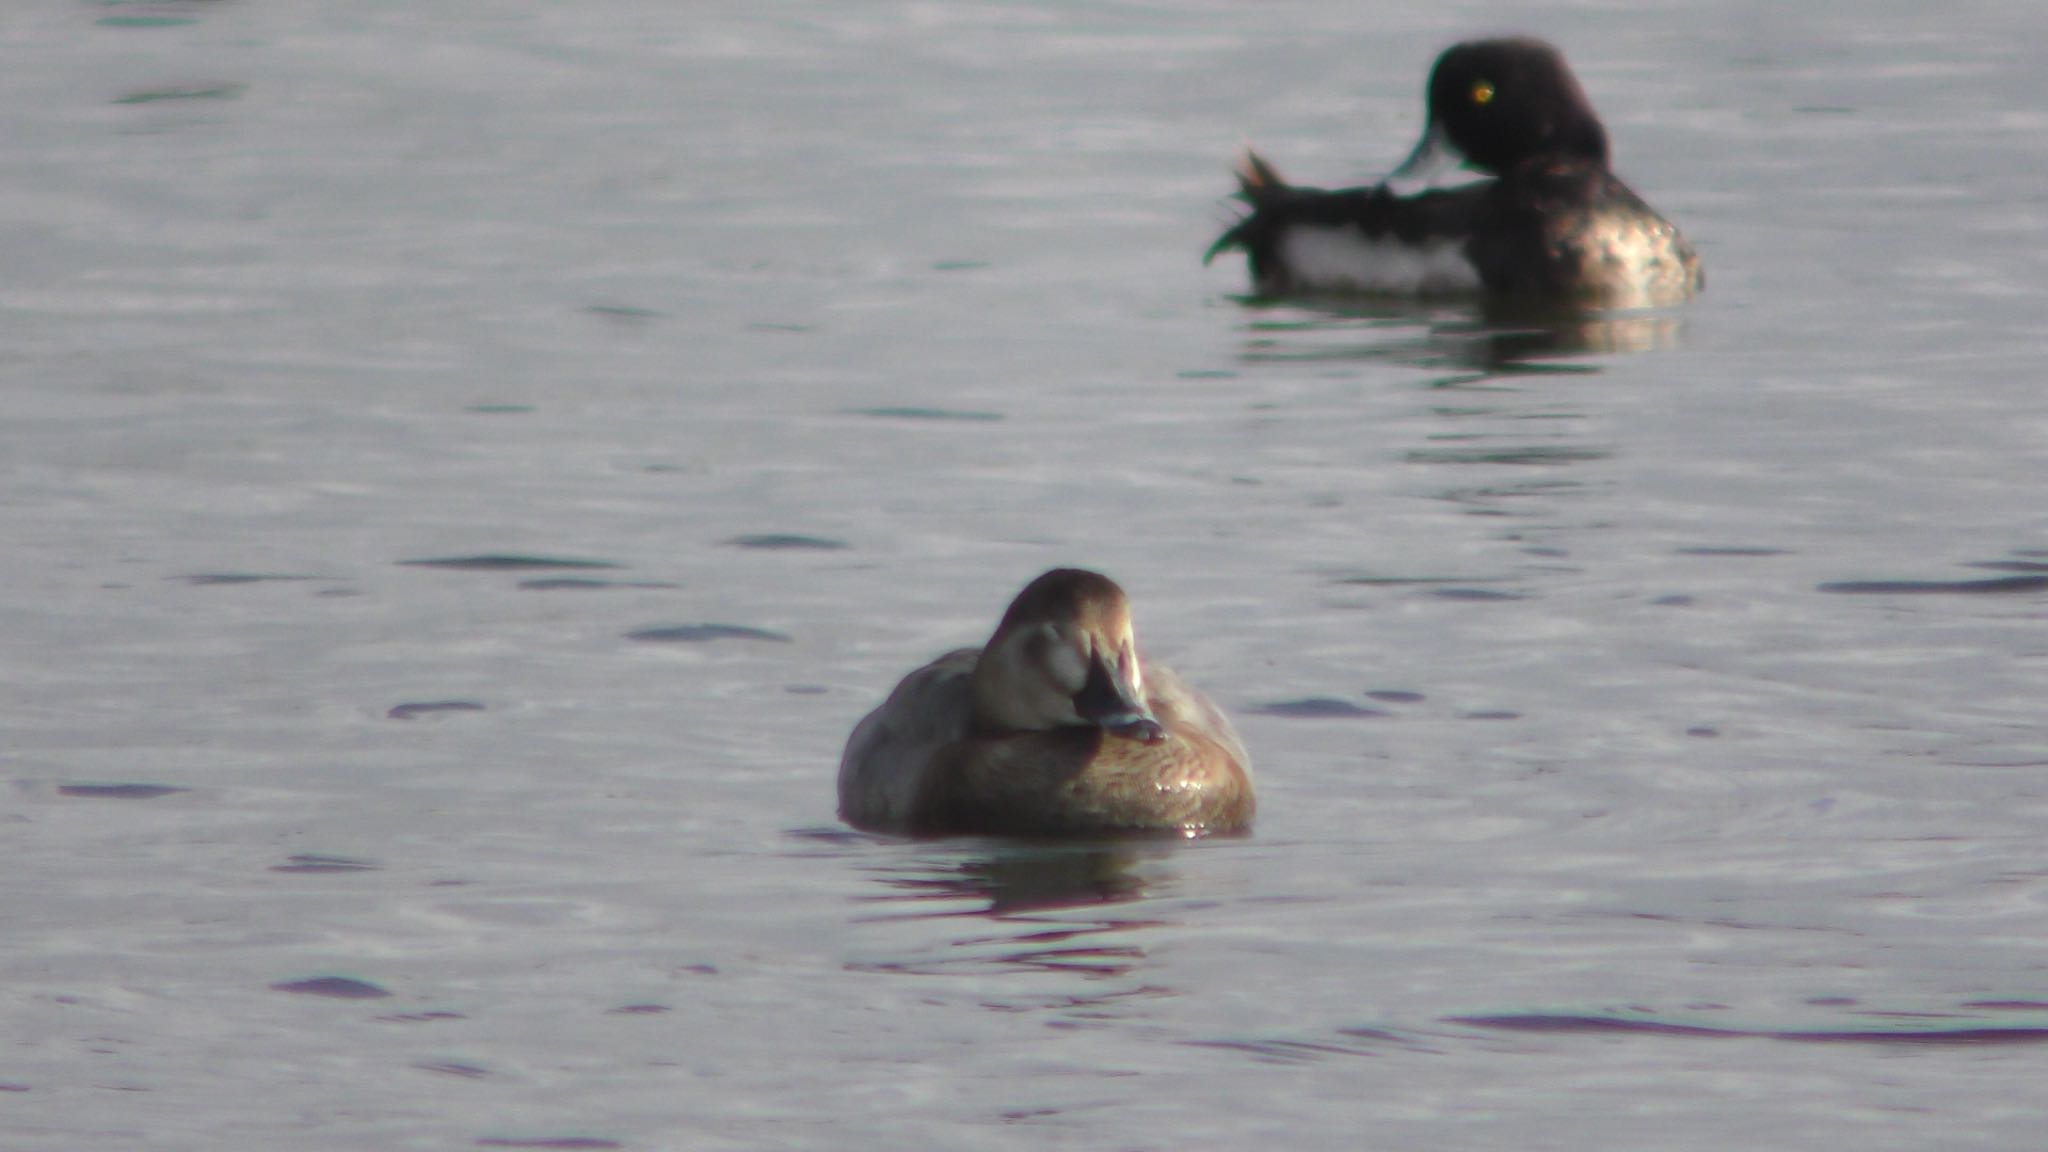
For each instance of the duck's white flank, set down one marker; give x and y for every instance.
(1343, 259)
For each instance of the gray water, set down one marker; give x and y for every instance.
(467, 467)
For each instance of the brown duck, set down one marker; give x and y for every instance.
(1054, 728)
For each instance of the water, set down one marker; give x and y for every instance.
(466, 472)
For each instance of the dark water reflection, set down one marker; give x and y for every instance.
(1034, 908)
(1900, 1028)
(1009, 879)
(1486, 364)
(2030, 576)
(1978, 1024)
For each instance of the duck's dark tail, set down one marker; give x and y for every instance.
(1258, 184)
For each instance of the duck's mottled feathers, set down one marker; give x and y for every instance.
(1566, 227)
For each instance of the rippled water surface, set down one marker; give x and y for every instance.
(467, 467)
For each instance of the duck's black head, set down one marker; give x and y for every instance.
(1501, 102)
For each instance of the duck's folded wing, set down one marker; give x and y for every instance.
(1375, 214)
(1180, 707)
(893, 751)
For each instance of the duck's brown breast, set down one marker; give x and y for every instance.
(1078, 781)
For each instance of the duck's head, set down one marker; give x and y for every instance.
(1496, 103)
(1064, 657)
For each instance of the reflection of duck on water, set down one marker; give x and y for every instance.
(1026, 877)
(1053, 729)
(1495, 336)
(1033, 906)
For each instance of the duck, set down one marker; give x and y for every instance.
(1550, 222)
(1054, 728)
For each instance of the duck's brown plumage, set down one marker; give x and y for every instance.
(934, 760)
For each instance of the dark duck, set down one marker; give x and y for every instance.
(1550, 222)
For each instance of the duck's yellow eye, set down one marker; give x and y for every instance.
(1482, 92)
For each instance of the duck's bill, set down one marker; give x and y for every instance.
(1434, 157)
(1110, 702)
(1143, 729)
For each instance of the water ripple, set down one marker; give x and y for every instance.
(704, 634)
(1964, 1032)
(1994, 586)
(505, 562)
(1317, 708)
